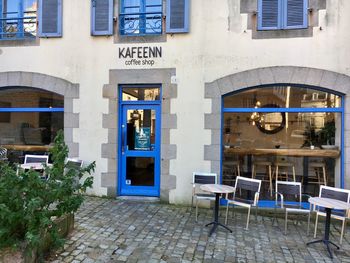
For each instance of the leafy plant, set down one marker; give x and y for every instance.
(29, 204)
(328, 133)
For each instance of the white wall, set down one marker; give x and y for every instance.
(207, 53)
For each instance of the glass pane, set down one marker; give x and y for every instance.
(137, 94)
(28, 132)
(141, 126)
(283, 97)
(140, 171)
(248, 143)
(29, 98)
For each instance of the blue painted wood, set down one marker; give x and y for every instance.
(144, 18)
(50, 18)
(20, 28)
(177, 16)
(126, 189)
(101, 17)
(269, 14)
(1, 16)
(295, 14)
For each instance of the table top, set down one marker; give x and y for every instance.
(286, 152)
(217, 188)
(329, 203)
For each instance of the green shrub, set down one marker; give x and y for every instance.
(29, 204)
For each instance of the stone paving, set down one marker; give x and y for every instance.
(134, 231)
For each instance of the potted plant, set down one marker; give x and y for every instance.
(327, 134)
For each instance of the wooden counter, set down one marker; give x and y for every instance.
(27, 148)
(301, 152)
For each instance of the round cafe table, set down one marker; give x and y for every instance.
(328, 204)
(217, 189)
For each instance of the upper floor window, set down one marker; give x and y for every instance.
(140, 17)
(18, 19)
(282, 14)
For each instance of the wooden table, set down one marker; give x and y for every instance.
(27, 148)
(328, 204)
(217, 189)
(299, 152)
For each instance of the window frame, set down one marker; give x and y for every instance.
(282, 16)
(142, 19)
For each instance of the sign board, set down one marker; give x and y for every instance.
(140, 56)
(143, 138)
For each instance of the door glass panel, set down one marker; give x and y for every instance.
(139, 171)
(140, 94)
(141, 129)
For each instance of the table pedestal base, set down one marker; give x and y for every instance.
(326, 242)
(216, 222)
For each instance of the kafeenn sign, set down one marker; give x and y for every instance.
(140, 56)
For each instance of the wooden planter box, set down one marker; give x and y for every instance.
(65, 225)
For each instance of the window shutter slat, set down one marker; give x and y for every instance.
(101, 17)
(295, 14)
(177, 19)
(268, 14)
(50, 18)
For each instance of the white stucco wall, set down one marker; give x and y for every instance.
(210, 51)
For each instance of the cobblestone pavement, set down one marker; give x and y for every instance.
(133, 231)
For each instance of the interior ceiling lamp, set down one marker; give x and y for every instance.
(256, 117)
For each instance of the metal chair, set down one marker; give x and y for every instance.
(3, 154)
(288, 197)
(74, 164)
(28, 158)
(199, 179)
(249, 185)
(337, 194)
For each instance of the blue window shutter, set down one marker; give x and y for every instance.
(50, 18)
(269, 14)
(1, 11)
(101, 17)
(177, 18)
(295, 14)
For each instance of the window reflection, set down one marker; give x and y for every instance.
(303, 146)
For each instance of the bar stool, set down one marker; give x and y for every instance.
(230, 170)
(285, 166)
(268, 167)
(320, 173)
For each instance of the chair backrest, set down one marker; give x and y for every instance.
(74, 163)
(3, 153)
(289, 189)
(28, 158)
(248, 184)
(335, 193)
(204, 178)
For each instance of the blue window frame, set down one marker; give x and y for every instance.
(282, 14)
(140, 17)
(307, 113)
(18, 19)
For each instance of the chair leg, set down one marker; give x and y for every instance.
(238, 170)
(256, 213)
(253, 171)
(324, 175)
(196, 210)
(308, 223)
(342, 232)
(248, 219)
(226, 214)
(285, 223)
(316, 225)
(293, 168)
(270, 178)
(191, 203)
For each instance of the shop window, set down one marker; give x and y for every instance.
(295, 129)
(29, 120)
(282, 14)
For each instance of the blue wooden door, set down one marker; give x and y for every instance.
(140, 150)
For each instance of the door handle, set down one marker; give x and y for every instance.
(123, 139)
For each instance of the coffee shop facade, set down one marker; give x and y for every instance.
(154, 90)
